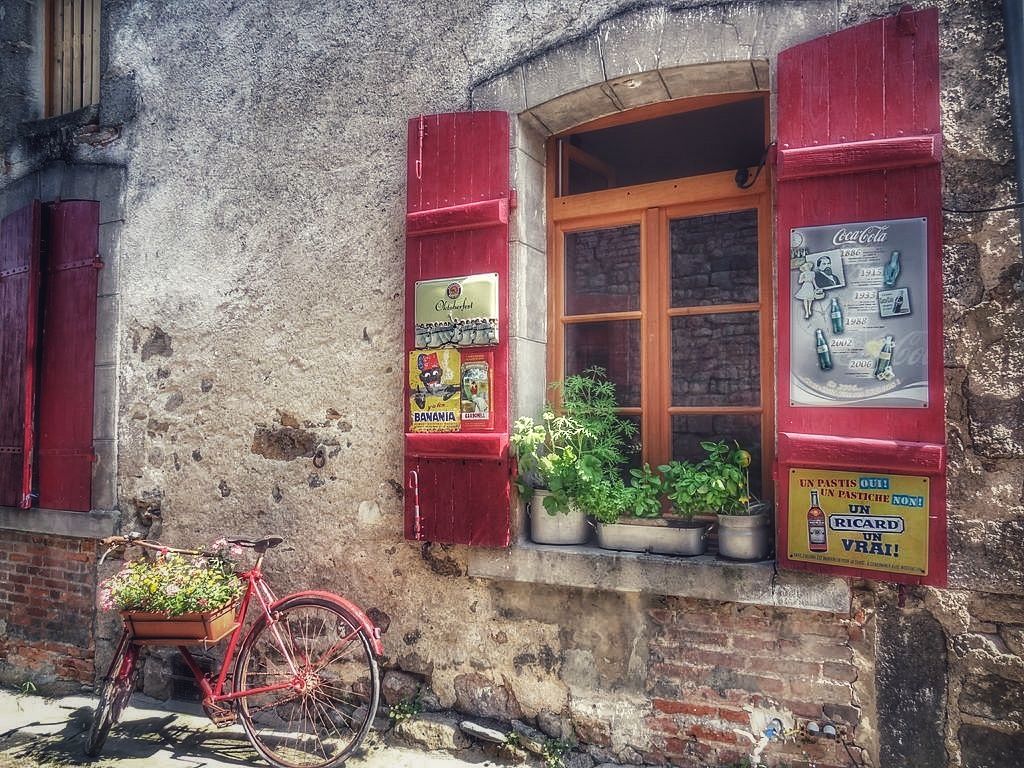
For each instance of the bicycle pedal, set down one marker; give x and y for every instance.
(220, 716)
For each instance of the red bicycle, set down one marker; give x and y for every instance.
(305, 682)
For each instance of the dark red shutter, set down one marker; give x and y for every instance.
(19, 296)
(457, 484)
(68, 359)
(859, 140)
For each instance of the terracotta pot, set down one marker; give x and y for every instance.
(185, 629)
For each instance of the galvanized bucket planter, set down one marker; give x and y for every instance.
(569, 528)
(655, 535)
(744, 537)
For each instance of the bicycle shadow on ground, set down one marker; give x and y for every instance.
(140, 739)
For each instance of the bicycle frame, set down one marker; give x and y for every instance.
(256, 586)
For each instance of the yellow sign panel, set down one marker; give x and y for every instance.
(457, 311)
(864, 520)
(435, 384)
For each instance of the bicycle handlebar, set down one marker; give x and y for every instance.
(135, 539)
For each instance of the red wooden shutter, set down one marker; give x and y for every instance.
(19, 296)
(858, 141)
(457, 484)
(68, 359)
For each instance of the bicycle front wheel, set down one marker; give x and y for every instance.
(323, 683)
(118, 686)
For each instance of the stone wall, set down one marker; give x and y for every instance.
(260, 258)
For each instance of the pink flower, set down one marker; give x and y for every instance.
(236, 551)
(172, 589)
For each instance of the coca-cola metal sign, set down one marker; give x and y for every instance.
(859, 333)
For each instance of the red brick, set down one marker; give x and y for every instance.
(684, 708)
(706, 733)
(730, 715)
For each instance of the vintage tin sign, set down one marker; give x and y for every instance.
(457, 311)
(866, 520)
(434, 386)
(859, 322)
(476, 390)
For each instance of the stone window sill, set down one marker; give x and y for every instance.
(56, 522)
(705, 577)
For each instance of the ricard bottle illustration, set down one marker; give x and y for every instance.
(836, 313)
(883, 365)
(821, 347)
(817, 538)
(892, 269)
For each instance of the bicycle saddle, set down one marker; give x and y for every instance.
(260, 545)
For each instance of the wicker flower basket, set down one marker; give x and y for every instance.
(186, 629)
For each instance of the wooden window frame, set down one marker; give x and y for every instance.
(653, 206)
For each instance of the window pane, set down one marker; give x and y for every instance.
(714, 259)
(602, 270)
(614, 346)
(720, 138)
(716, 360)
(688, 432)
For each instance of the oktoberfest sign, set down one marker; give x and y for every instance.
(457, 312)
(859, 520)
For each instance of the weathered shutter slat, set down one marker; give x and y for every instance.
(68, 361)
(859, 140)
(19, 311)
(457, 224)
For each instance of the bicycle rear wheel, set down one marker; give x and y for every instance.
(321, 656)
(118, 686)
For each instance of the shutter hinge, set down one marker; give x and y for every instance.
(95, 262)
(513, 199)
(414, 486)
(15, 271)
(419, 160)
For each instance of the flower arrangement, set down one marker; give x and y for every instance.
(173, 584)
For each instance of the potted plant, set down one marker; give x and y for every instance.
(743, 521)
(687, 486)
(637, 524)
(569, 461)
(173, 597)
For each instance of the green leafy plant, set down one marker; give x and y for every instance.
(554, 752)
(406, 709)
(575, 453)
(643, 495)
(717, 485)
(173, 584)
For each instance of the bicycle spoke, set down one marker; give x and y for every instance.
(317, 646)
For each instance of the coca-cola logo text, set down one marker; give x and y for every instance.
(873, 234)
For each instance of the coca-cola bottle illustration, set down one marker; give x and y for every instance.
(817, 535)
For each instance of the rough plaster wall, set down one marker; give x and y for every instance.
(261, 316)
(19, 52)
(263, 302)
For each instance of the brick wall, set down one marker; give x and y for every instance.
(714, 665)
(47, 599)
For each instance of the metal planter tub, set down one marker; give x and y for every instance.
(656, 535)
(744, 537)
(569, 528)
